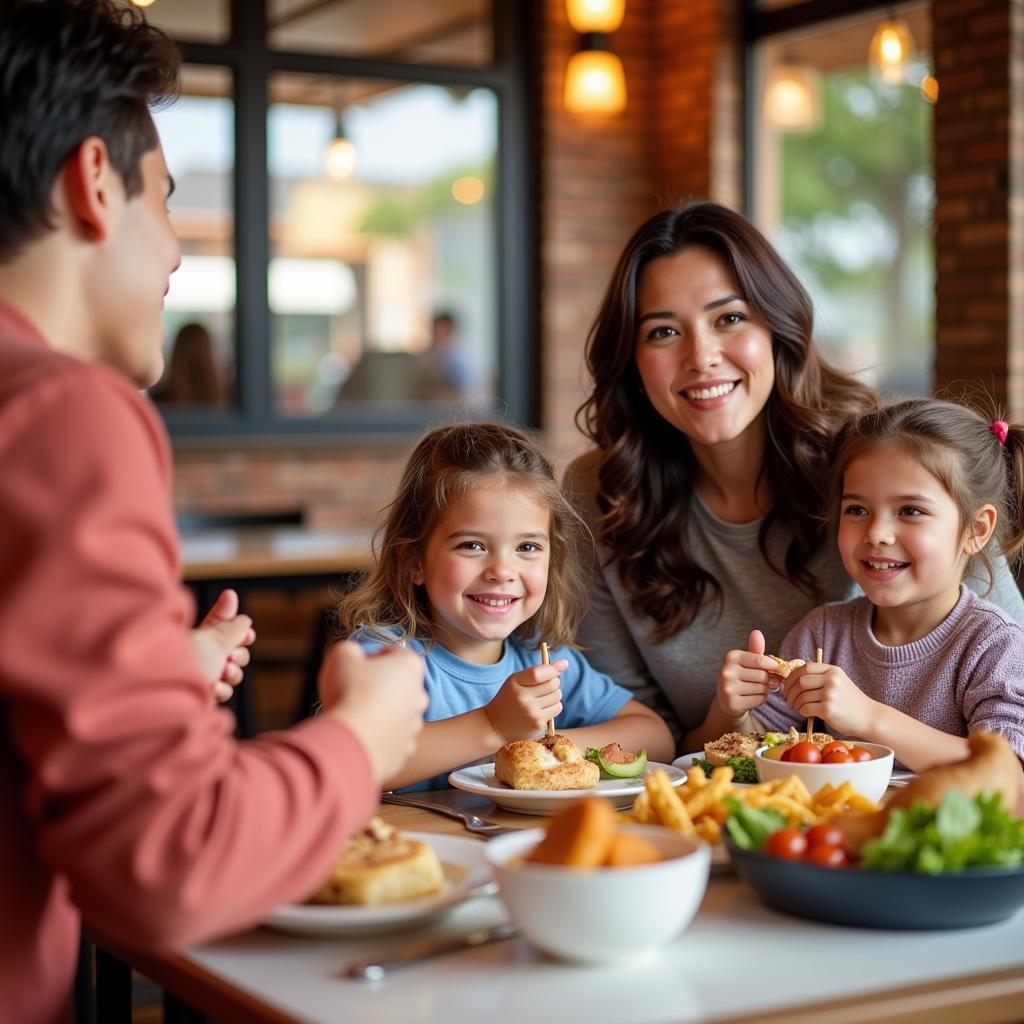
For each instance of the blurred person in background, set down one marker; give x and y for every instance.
(445, 358)
(192, 376)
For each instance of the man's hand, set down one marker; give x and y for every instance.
(380, 697)
(221, 644)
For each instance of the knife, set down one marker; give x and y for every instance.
(374, 969)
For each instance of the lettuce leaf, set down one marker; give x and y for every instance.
(962, 832)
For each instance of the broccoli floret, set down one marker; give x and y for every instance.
(743, 769)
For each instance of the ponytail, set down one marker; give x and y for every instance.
(1012, 535)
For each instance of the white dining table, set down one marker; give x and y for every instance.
(737, 961)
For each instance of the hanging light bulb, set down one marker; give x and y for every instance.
(892, 46)
(792, 97)
(595, 15)
(143, 3)
(930, 88)
(594, 80)
(340, 162)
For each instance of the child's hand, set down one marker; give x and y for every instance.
(827, 692)
(744, 680)
(527, 701)
(221, 644)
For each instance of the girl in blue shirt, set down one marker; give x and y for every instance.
(475, 566)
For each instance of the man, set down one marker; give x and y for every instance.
(123, 795)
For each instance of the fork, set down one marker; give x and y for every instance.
(472, 823)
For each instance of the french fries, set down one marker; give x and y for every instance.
(698, 805)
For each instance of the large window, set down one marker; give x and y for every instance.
(841, 180)
(198, 135)
(354, 187)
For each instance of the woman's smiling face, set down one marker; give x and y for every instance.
(706, 363)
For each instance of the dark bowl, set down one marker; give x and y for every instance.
(882, 899)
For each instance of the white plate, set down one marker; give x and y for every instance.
(686, 763)
(479, 778)
(465, 869)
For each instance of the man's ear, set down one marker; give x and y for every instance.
(979, 533)
(88, 178)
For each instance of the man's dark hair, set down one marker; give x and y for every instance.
(71, 69)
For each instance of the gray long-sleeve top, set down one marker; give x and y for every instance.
(678, 676)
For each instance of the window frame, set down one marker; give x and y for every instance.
(759, 24)
(252, 416)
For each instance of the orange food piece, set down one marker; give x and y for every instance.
(628, 850)
(580, 836)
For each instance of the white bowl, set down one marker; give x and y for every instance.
(606, 914)
(870, 778)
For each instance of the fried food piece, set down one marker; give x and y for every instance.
(553, 763)
(785, 667)
(991, 766)
(731, 744)
(667, 804)
(380, 865)
(580, 836)
(628, 849)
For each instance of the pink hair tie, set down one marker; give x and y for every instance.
(1000, 428)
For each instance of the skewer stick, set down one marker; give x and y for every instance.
(545, 659)
(810, 721)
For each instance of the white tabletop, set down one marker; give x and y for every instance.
(738, 958)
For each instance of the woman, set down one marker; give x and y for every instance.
(713, 414)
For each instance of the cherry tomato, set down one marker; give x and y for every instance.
(841, 756)
(806, 753)
(787, 843)
(860, 754)
(834, 745)
(827, 856)
(827, 833)
(787, 754)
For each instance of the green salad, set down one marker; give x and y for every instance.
(962, 832)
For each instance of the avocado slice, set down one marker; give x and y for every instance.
(611, 770)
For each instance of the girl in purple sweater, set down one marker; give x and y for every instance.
(924, 489)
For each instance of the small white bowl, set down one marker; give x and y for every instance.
(870, 778)
(605, 914)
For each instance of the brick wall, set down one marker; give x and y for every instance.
(600, 177)
(979, 184)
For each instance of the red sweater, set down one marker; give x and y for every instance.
(123, 795)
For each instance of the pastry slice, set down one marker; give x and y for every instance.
(381, 865)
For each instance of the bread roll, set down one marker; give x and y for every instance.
(552, 763)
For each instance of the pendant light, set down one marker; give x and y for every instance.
(892, 47)
(594, 79)
(792, 97)
(340, 160)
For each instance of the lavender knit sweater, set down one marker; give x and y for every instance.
(967, 674)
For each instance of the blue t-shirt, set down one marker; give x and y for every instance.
(455, 686)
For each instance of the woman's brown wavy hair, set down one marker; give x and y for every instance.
(447, 464)
(646, 480)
